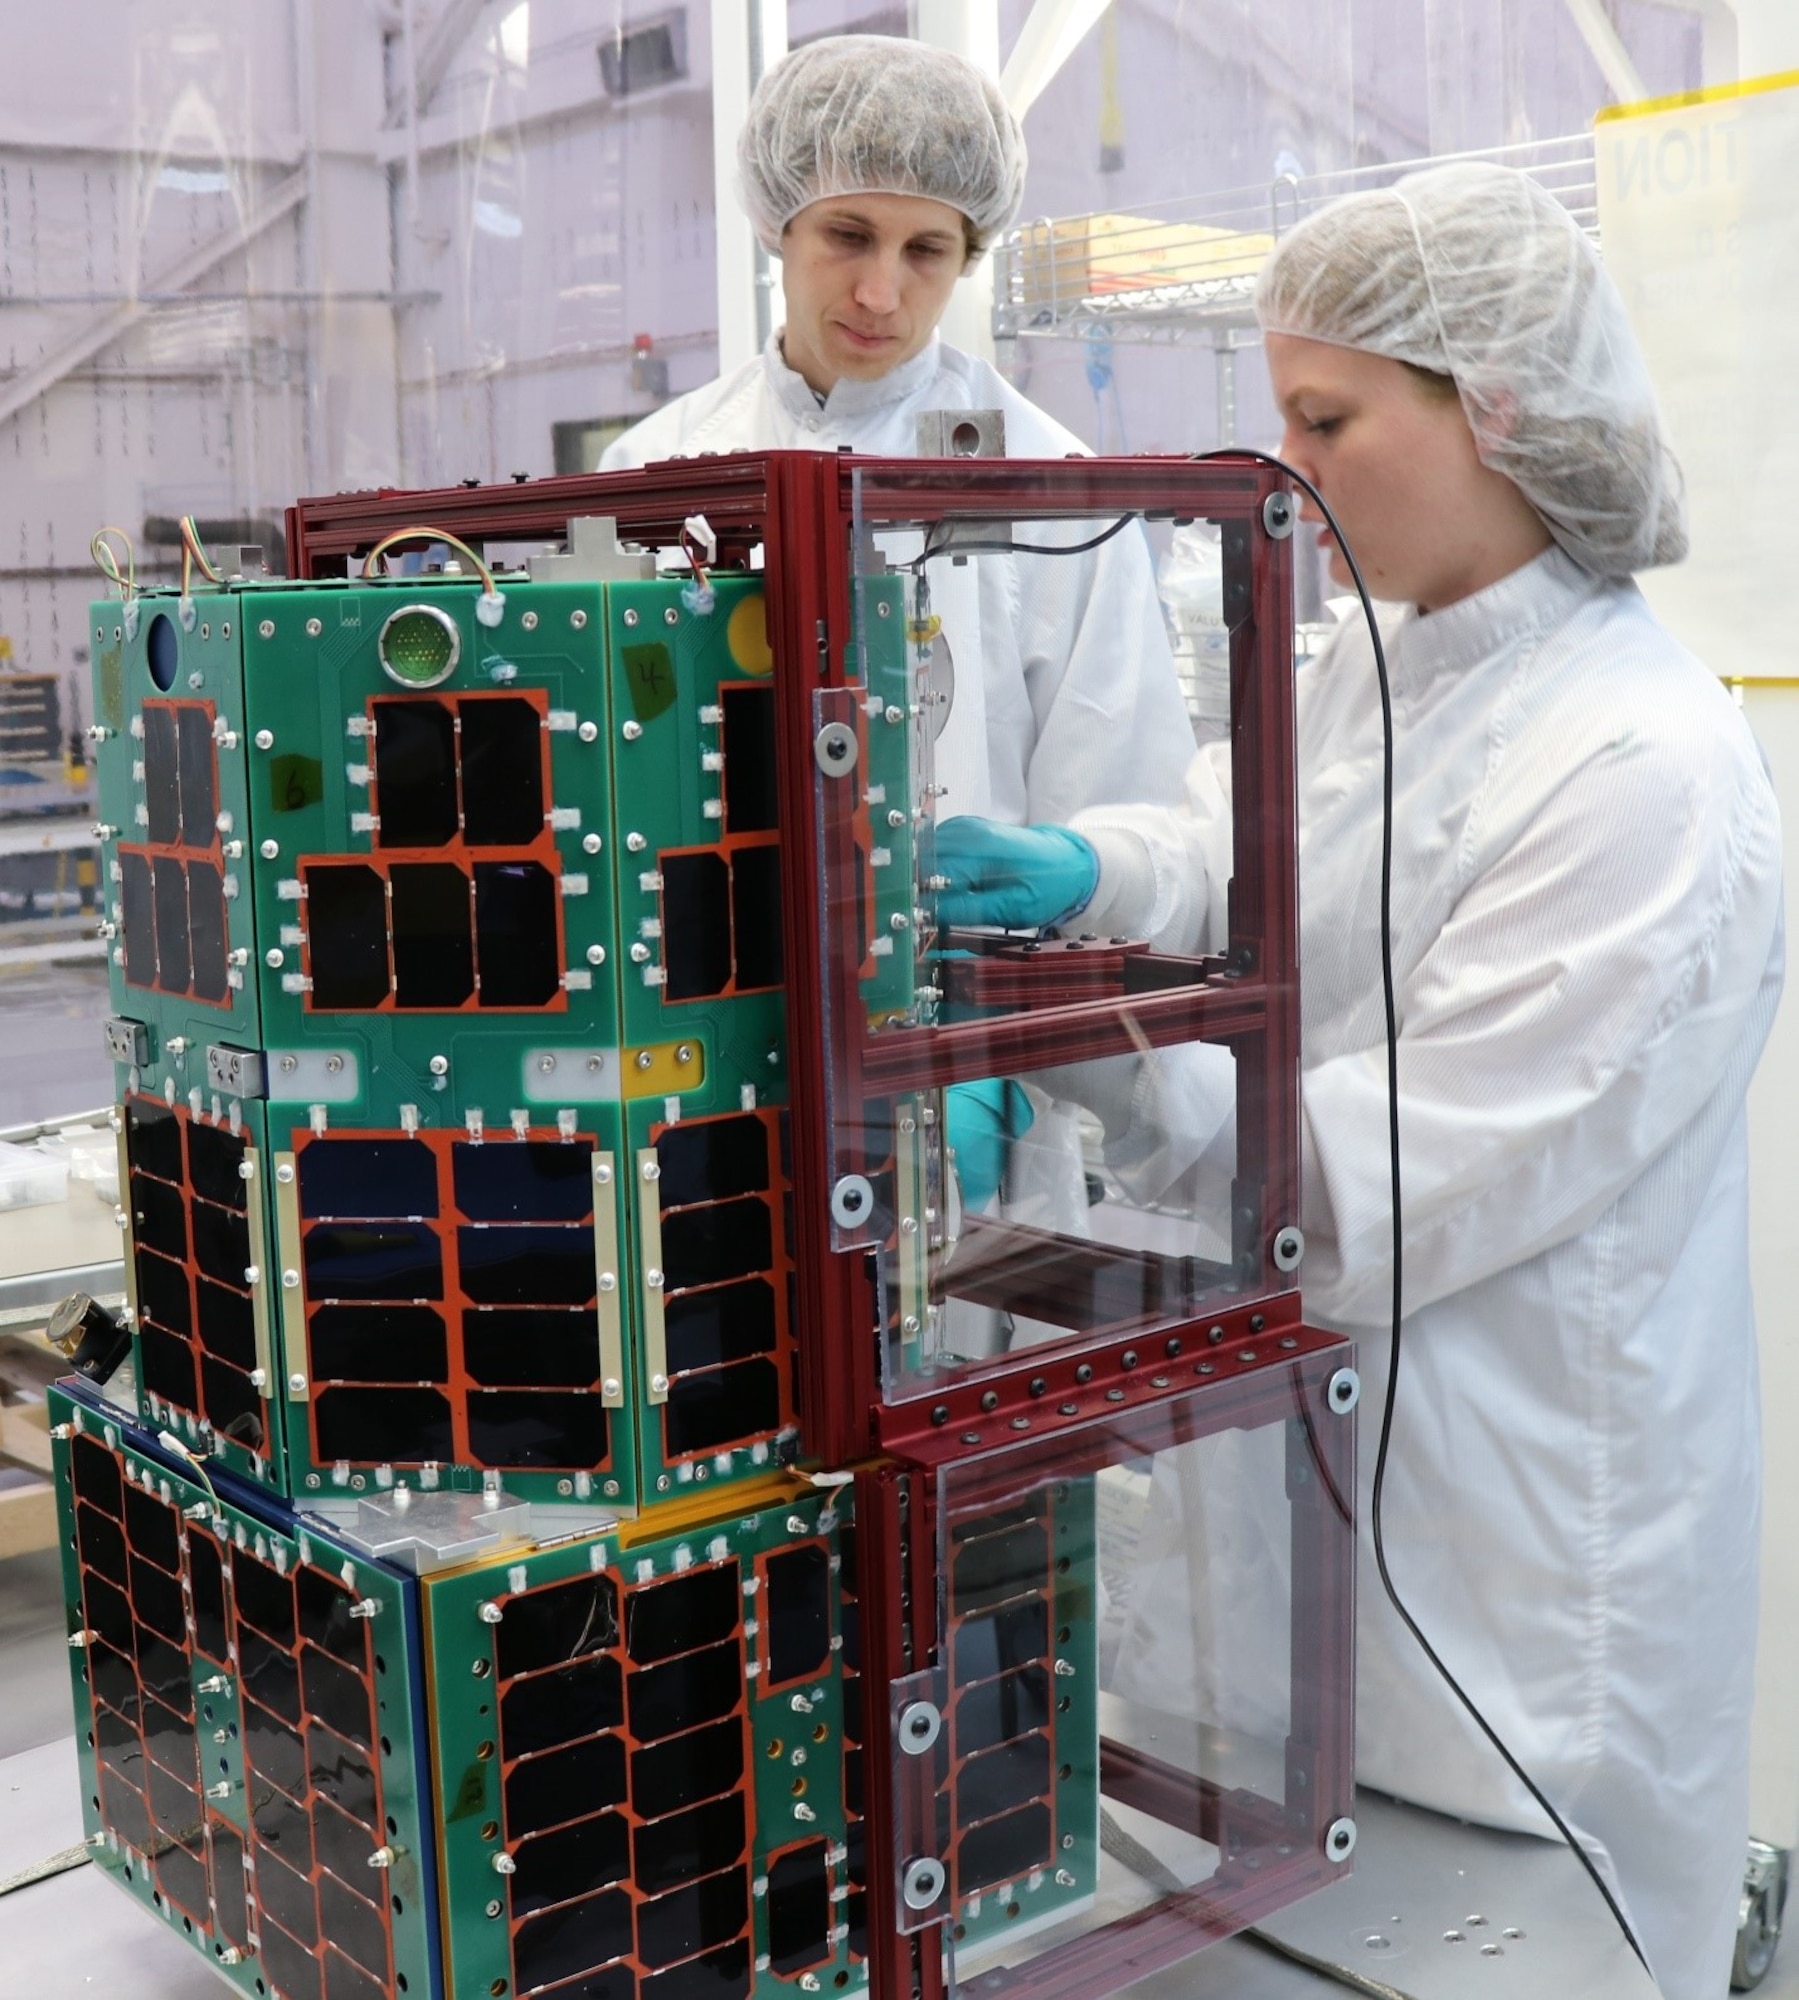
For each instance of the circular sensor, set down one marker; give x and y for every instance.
(419, 646)
(162, 651)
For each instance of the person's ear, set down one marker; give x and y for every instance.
(1492, 416)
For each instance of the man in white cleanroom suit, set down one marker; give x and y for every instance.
(878, 170)
(1587, 954)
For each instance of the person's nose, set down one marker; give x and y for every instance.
(877, 285)
(1294, 450)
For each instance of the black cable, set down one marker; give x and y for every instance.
(1393, 1352)
(955, 548)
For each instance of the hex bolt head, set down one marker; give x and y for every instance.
(1289, 1247)
(922, 1883)
(920, 1724)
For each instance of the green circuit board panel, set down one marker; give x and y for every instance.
(1020, 1748)
(171, 775)
(501, 1009)
(194, 1175)
(645, 1759)
(245, 1709)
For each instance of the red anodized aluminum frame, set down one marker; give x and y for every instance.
(803, 507)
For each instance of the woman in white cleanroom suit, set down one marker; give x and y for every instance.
(1587, 954)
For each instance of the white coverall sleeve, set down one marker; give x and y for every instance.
(1110, 719)
(1164, 871)
(1572, 1016)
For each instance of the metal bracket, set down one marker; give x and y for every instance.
(594, 555)
(962, 434)
(237, 1072)
(128, 1042)
(607, 1278)
(649, 1247)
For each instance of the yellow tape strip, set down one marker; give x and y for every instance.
(1719, 93)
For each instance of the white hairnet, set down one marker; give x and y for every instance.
(871, 114)
(1476, 272)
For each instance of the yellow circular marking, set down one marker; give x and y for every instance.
(747, 637)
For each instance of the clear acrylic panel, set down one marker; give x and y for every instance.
(1078, 1184)
(1135, 1738)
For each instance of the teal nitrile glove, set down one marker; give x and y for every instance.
(1016, 878)
(984, 1118)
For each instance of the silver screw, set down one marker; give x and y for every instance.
(275, 955)
(267, 629)
(270, 849)
(635, 843)
(440, 1065)
(640, 955)
(529, 621)
(265, 738)
(297, 1384)
(577, 619)
(545, 1064)
(596, 954)
(589, 732)
(590, 843)
(313, 628)
(631, 731)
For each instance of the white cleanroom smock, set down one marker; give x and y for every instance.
(1587, 954)
(1066, 693)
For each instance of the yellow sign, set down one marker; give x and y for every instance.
(1696, 223)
